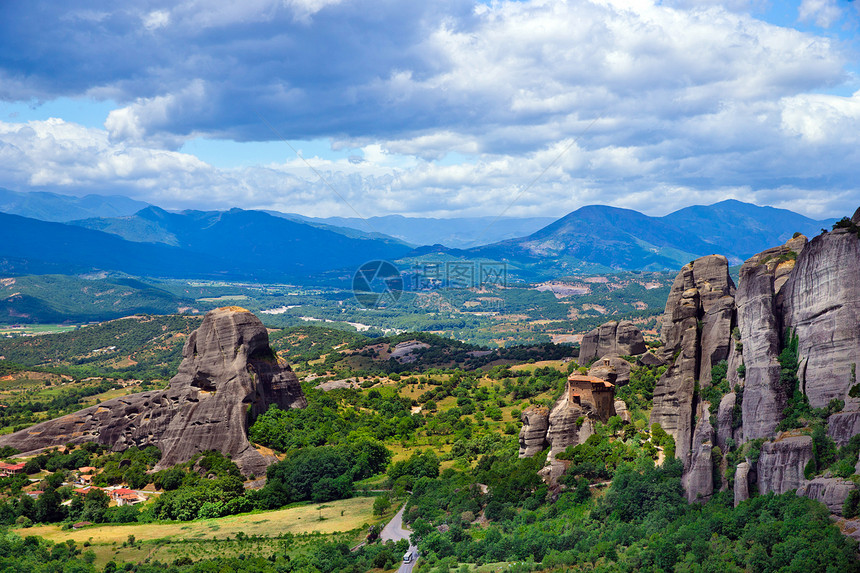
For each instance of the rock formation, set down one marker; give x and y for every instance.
(822, 307)
(535, 421)
(698, 480)
(622, 412)
(618, 338)
(742, 487)
(611, 368)
(781, 463)
(725, 421)
(829, 491)
(809, 289)
(696, 331)
(760, 320)
(228, 375)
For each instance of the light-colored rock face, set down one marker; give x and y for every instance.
(725, 419)
(764, 400)
(842, 426)
(622, 412)
(698, 479)
(822, 305)
(673, 395)
(742, 486)
(716, 338)
(563, 429)
(650, 359)
(227, 369)
(829, 491)
(616, 338)
(701, 296)
(533, 433)
(781, 463)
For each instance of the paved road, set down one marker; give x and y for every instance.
(395, 531)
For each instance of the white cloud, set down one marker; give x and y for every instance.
(823, 12)
(156, 19)
(447, 107)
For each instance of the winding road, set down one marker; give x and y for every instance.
(395, 531)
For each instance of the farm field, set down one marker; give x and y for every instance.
(266, 531)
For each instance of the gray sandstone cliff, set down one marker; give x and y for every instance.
(696, 333)
(742, 487)
(760, 319)
(228, 375)
(781, 463)
(822, 307)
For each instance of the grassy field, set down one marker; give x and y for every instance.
(218, 537)
(36, 329)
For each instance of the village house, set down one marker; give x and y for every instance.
(8, 469)
(124, 496)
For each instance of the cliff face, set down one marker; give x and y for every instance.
(822, 306)
(760, 319)
(228, 370)
(811, 289)
(696, 333)
(780, 466)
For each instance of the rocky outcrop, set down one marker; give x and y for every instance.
(611, 368)
(535, 421)
(698, 480)
(760, 320)
(781, 463)
(568, 426)
(829, 491)
(742, 486)
(228, 375)
(618, 338)
(843, 426)
(696, 333)
(650, 359)
(622, 412)
(822, 307)
(725, 421)
(716, 339)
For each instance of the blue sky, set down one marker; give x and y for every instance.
(450, 108)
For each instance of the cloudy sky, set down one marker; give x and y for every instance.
(442, 108)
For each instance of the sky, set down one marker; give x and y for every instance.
(444, 108)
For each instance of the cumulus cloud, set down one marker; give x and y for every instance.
(643, 104)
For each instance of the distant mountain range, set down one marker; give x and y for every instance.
(457, 233)
(255, 245)
(604, 239)
(235, 244)
(61, 208)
